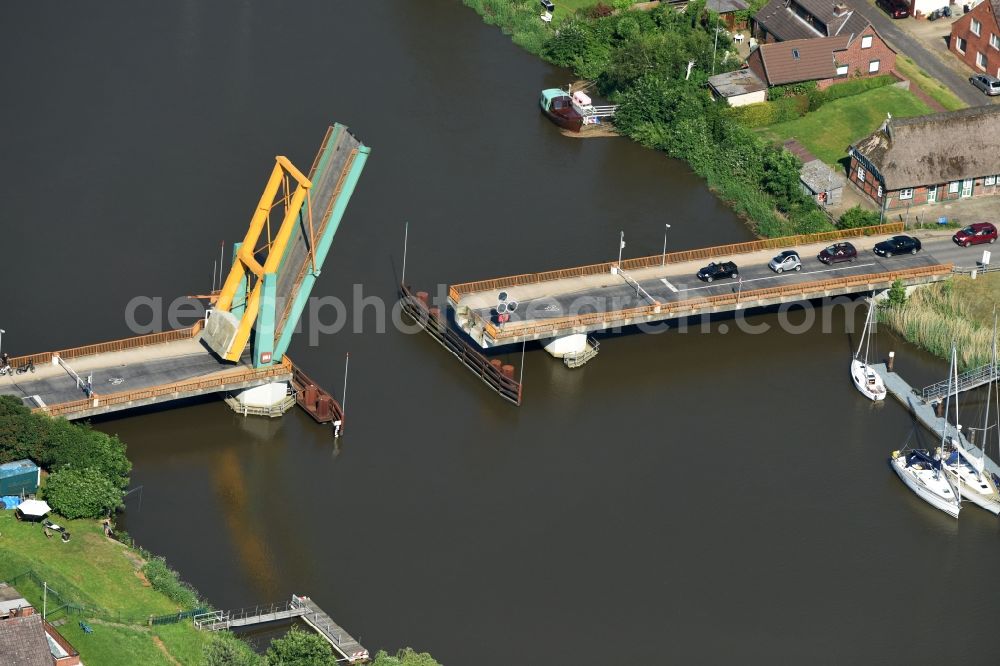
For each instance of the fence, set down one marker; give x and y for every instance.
(106, 347)
(57, 603)
(458, 290)
(676, 308)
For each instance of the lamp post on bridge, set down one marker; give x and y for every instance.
(665, 227)
(621, 246)
(1, 338)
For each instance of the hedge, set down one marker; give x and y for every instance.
(770, 113)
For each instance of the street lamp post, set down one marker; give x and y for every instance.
(1, 338)
(665, 227)
(621, 246)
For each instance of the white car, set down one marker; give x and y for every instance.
(786, 261)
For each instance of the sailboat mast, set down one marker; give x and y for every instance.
(947, 403)
(864, 334)
(989, 384)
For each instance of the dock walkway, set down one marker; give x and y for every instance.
(924, 411)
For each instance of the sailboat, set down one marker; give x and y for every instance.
(868, 382)
(966, 464)
(923, 471)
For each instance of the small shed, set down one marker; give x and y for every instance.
(19, 477)
(822, 183)
(738, 88)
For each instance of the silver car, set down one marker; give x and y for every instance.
(988, 84)
(786, 261)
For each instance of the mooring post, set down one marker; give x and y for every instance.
(939, 408)
(892, 360)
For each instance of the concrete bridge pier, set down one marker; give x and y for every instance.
(566, 345)
(272, 400)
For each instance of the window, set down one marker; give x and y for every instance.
(873, 66)
(841, 70)
(980, 60)
(995, 41)
(960, 45)
(795, 54)
(990, 180)
(953, 187)
(866, 42)
(879, 191)
(861, 174)
(976, 27)
(906, 194)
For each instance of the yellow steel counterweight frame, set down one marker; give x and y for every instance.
(246, 263)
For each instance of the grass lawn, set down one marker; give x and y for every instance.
(828, 131)
(940, 92)
(566, 8)
(95, 571)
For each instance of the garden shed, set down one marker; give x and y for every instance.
(19, 477)
(822, 183)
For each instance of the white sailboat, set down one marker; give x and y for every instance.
(966, 464)
(867, 381)
(923, 472)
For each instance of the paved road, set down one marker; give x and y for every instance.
(925, 59)
(669, 285)
(55, 386)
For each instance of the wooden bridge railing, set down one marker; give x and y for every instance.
(106, 347)
(496, 284)
(516, 330)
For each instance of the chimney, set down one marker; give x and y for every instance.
(839, 9)
(887, 126)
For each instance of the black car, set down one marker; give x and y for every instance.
(897, 245)
(837, 253)
(897, 9)
(714, 270)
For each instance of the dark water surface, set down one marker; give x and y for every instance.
(683, 498)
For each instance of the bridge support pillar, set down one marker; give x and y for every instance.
(263, 341)
(567, 344)
(266, 400)
(240, 297)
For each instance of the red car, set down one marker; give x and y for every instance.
(837, 253)
(974, 234)
(897, 9)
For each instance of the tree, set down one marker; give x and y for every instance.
(300, 648)
(857, 217)
(225, 649)
(82, 493)
(78, 446)
(22, 434)
(406, 657)
(897, 295)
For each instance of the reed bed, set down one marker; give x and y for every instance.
(959, 310)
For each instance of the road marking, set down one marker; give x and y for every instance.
(669, 286)
(775, 277)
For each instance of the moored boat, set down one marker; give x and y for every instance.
(557, 105)
(922, 473)
(866, 380)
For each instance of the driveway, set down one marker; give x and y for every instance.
(905, 43)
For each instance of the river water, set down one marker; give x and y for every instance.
(693, 497)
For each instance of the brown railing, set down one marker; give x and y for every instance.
(674, 308)
(300, 382)
(496, 284)
(216, 382)
(437, 328)
(106, 347)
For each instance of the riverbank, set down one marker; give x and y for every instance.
(106, 578)
(959, 310)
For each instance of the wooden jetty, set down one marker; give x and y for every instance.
(299, 607)
(924, 411)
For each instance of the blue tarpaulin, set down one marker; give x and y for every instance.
(10, 501)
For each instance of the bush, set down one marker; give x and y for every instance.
(769, 113)
(790, 90)
(300, 648)
(82, 493)
(857, 86)
(897, 295)
(600, 10)
(225, 649)
(407, 657)
(166, 581)
(857, 217)
(73, 446)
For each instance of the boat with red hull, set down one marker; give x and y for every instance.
(557, 105)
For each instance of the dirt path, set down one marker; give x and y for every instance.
(166, 653)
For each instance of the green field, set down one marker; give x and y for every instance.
(93, 570)
(828, 131)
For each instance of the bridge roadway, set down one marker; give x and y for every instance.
(550, 305)
(129, 373)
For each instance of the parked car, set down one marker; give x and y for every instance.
(837, 253)
(897, 245)
(897, 9)
(974, 234)
(786, 261)
(714, 271)
(988, 84)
